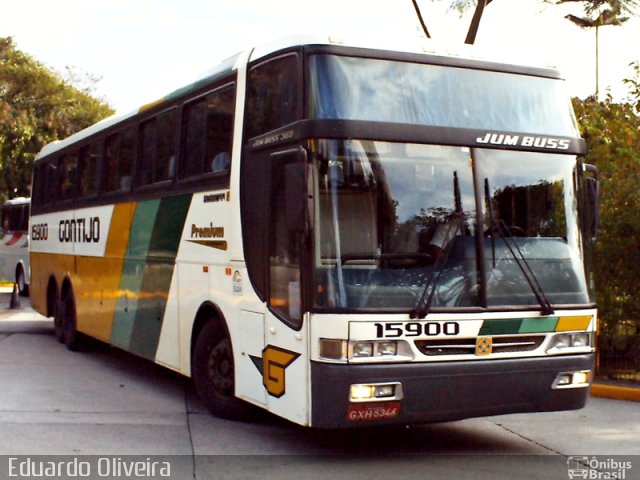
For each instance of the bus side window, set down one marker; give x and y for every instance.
(208, 133)
(273, 95)
(111, 163)
(119, 157)
(24, 220)
(89, 171)
(157, 148)
(148, 139)
(220, 114)
(194, 136)
(126, 157)
(67, 176)
(43, 193)
(164, 167)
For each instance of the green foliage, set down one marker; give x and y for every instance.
(36, 107)
(612, 132)
(634, 86)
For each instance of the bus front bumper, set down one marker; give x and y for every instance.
(445, 391)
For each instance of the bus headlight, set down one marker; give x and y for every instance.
(373, 349)
(365, 350)
(387, 349)
(563, 342)
(362, 349)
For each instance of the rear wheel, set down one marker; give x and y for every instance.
(53, 307)
(67, 312)
(213, 373)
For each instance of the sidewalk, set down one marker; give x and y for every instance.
(22, 319)
(25, 320)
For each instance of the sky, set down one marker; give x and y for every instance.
(143, 49)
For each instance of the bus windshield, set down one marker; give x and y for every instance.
(394, 219)
(422, 94)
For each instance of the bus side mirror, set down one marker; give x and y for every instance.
(299, 205)
(593, 197)
(297, 197)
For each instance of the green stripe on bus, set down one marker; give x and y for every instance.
(518, 326)
(157, 274)
(539, 325)
(132, 277)
(500, 327)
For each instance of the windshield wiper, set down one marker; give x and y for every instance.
(501, 228)
(422, 309)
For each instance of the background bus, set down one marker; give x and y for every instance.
(338, 234)
(14, 243)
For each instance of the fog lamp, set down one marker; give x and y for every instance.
(385, 391)
(375, 392)
(576, 379)
(362, 392)
(581, 378)
(564, 379)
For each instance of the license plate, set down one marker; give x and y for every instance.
(365, 412)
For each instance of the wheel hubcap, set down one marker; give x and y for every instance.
(220, 368)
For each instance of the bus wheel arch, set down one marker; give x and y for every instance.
(212, 365)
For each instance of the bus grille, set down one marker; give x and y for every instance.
(467, 346)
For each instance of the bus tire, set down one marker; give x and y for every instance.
(21, 281)
(58, 322)
(72, 338)
(213, 373)
(53, 310)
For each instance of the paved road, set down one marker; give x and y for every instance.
(105, 402)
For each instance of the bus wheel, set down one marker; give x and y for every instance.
(21, 281)
(67, 309)
(213, 374)
(57, 325)
(54, 310)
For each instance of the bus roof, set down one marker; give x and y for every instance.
(422, 46)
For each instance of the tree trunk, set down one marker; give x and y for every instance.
(475, 22)
(424, 25)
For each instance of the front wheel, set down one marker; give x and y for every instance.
(213, 374)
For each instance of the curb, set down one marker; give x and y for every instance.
(615, 392)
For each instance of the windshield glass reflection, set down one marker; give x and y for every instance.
(419, 94)
(396, 223)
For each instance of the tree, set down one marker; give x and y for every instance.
(609, 15)
(613, 144)
(36, 107)
(590, 6)
(461, 6)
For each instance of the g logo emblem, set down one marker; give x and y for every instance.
(484, 346)
(272, 365)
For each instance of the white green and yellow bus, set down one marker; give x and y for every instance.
(14, 243)
(339, 234)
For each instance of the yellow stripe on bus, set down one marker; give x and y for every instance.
(567, 324)
(97, 295)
